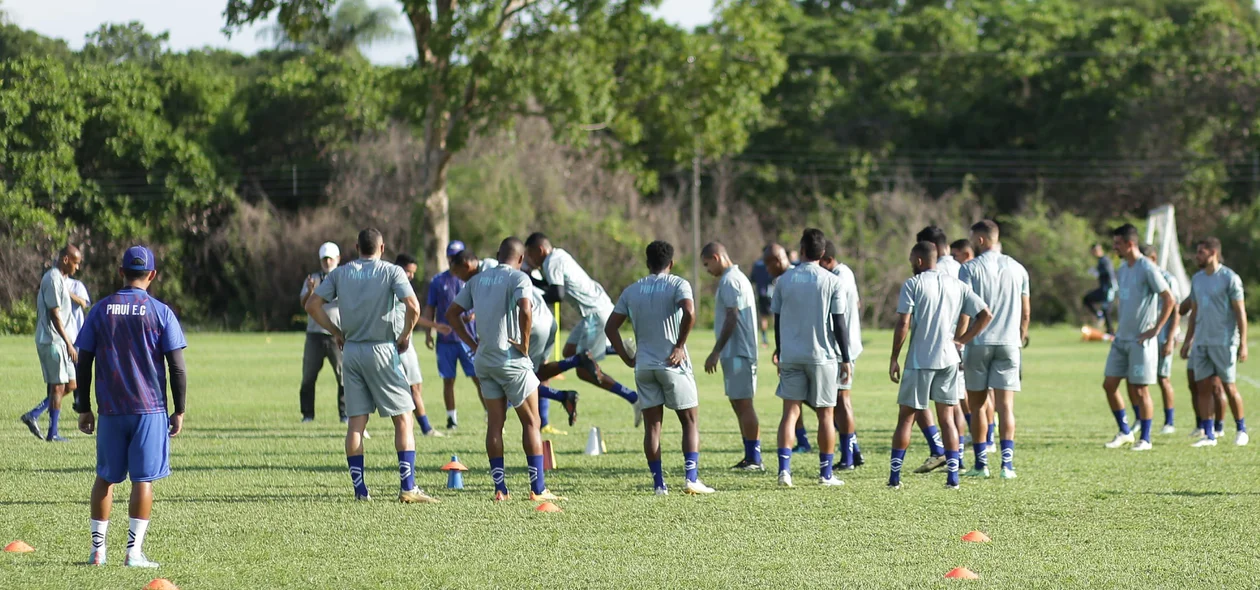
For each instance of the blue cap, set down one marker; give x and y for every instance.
(138, 258)
(455, 247)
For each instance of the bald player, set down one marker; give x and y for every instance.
(846, 425)
(735, 322)
(57, 354)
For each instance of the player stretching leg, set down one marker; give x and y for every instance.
(735, 351)
(662, 311)
(930, 311)
(1145, 305)
(1217, 339)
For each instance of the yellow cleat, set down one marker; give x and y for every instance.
(552, 430)
(416, 496)
(545, 496)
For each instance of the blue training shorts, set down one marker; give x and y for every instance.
(135, 445)
(450, 353)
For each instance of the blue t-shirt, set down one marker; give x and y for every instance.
(761, 278)
(442, 292)
(130, 332)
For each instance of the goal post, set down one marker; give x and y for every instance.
(1161, 232)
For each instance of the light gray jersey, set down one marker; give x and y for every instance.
(1140, 286)
(653, 304)
(735, 292)
(947, 265)
(495, 294)
(1214, 295)
(852, 315)
(1176, 295)
(561, 270)
(1002, 283)
(54, 298)
(367, 292)
(934, 301)
(330, 308)
(805, 299)
(78, 289)
(543, 318)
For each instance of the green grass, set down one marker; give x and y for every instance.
(258, 500)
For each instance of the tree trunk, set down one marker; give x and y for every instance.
(433, 211)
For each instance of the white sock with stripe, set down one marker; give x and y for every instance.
(135, 536)
(98, 528)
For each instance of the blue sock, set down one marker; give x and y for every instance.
(568, 364)
(691, 463)
(802, 438)
(1121, 421)
(846, 451)
(534, 463)
(982, 454)
(624, 392)
(1146, 429)
(54, 417)
(356, 474)
(498, 474)
(857, 450)
(658, 476)
(962, 452)
(752, 451)
(1168, 416)
(992, 427)
(894, 474)
(785, 459)
(967, 417)
(1241, 423)
(1008, 454)
(951, 468)
(549, 393)
(424, 424)
(544, 410)
(1219, 424)
(407, 470)
(933, 436)
(38, 410)
(1206, 425)
(824, 464)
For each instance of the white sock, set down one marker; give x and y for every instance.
(135, 536)
(451, 414)
(98, 528)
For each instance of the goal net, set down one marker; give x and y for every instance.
(1161, 232)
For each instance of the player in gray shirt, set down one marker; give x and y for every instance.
(809, 308)
(946, 264)
(992, 361)
(1145, 305)
(373, 334)
(1167, 337)
(735, 322)
(846, 425)
(662, 310)
(931, 310)
(505, 313)
(1216, 340)
(54, 344)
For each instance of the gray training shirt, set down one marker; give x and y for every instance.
(495, 293)
(934, 301)
(1175, 290)
(1140, 286)
(946, 264)
(330, 308)
(54, 298)
(852, 315)
(653, 306)
(1002, 283)
(367, 291)
(735, 292)
(1214, 317)
(561, 270)
(805, 298)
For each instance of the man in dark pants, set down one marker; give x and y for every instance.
(1098, 301)
(319, 343)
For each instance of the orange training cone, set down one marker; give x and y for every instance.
(161, 584)
(548, 507)
(976, 537)
(962, 573)
(18, 547)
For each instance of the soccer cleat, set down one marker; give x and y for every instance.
(32, 425)
(858, 461)
(980, 472)
(570, 405)
(344, 419)
(366, 435)
(638, 412)
(1007, 473)
(894, 486)
(97, 558)
(802, 447)
(746, 465)
(1142, 445)
(1220, 433)
(363, 498)
(931, 464)
(306, 419)
(830, 482)
(552, 430)
(450, 423)
(1120, 440)
(434, 433)
(500, 496)
(952, 487)
(1242, 439)
(137, 559)
(545, 496)
(1204, 442)
(661, 491)
(586, 363)
(1198, 433)
(416, 496)
(697, 488)
(785, 479)
(57, 438)
(1168, 429)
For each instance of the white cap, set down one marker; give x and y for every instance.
(329, 250)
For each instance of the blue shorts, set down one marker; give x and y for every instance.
(135, 445)
(448, 354)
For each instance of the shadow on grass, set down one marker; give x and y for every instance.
(1178, 494)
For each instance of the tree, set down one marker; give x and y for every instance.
(351, 27)
(116, 43)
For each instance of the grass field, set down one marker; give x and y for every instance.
(258, 500)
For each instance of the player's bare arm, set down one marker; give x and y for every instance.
(1192, 321)
(429, 313)
(679, 355)
(899, 339)
(1166, 304)
(1025, 318)
(65, 337)
(613, 331)
(982, 321)
(1240, 318)
(315, 308)
(452, 317)
(525, 321)
(728, 329)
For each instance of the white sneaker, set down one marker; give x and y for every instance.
(97, 558)
(1198, 433)
(1204, 442)
(366, 435)
(785, 479)
(1220, 434)
(137, 559)
(638, 412)
(661, 491)
(831, 482)
(1008, 473)
(1120, 441)
(1168, 429)
(1242, 439)
(697, 488)
(434, 433)
(1142, 445)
